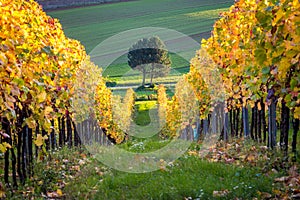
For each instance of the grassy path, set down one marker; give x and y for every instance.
(188, 176)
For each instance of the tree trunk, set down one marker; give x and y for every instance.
(295, 132)
(272, 125)
(246, 122)
(263, 119)
(151, 73)
(255, 122)
(30, 155)
(59, 132)
(284, 127)
(226, 127)
(234, 123)
(231, 122)
(144, 77)
(52, 136)
(76, 136)
(252, 123)
(13, 167)
(19, 155)
(69, 131)
(5, 127)
(37, 130)
(242, 126)
(24, 152)
(237, 122)
(6, 167)
(62, 138)
(205, 127)
(259, 127)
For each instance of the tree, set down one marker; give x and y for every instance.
(150, 56)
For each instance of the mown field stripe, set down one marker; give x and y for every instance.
(92, 25)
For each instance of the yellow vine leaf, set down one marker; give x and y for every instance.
(31, 123)
(279, 15)
(4, 146)
(297, 113)
(39, 141)
(41, 97)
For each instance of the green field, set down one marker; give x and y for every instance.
(91, 25)
(94, 24)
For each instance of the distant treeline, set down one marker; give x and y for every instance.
(56, 4)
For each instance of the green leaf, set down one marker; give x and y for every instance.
(20, 82)
(293, 83)
(47, 50)
(264, 79)
(265, 70)
(260, 55)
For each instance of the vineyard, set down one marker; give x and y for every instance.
(241, 95)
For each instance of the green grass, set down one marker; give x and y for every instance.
(142, 108)
(81, 176)
(137, 80)
(142, 145)
(91, 25)
(119, 68)
(189, 176)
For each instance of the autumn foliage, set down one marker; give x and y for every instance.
(256, 44)
(47, 85)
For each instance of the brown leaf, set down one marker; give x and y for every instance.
(52, 195)
(230, 160)
(250, 158)
(265, 195)
(293, 171)
(293, 182)
(281, 179)
(76, 168)
(296, 191)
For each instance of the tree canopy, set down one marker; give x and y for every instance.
(150, 56)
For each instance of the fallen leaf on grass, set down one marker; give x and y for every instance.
(265, 195)
(75, 168)
(293, 171)
(59, 192)
(193, 153)
(52, 195)
(296, 191)
(251, 158)
(277, 192)
(230, 160)
(81, 162)
(281, 179)
(294, 181)
(56, 194)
